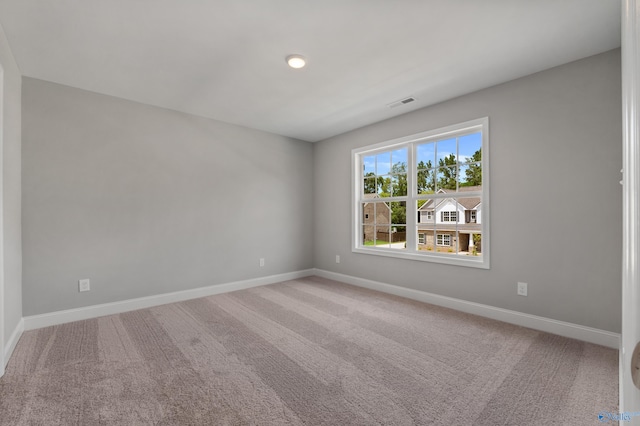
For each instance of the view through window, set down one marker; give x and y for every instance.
(425, 196)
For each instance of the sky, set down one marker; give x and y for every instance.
(466, 146)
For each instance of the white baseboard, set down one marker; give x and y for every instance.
(566, 329)
(575, 331)
(13, 340)
(60, 317)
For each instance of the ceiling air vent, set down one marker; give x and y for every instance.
(401, 102)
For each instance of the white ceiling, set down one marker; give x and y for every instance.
(225, 59)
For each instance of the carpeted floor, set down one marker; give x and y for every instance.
(309, 351)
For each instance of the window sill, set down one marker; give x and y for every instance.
(446, 259)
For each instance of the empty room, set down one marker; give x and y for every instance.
(360, 212)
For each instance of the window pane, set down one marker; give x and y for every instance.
(470, 226)
(446, 178)
(369, 185)
(369, 165)
(384, 186)
(426, 183)
(469, 206)
(447, 152)
(428, 238)
(383, 234)
(471, 174)
(470, 147)
(383, 163)
(399, 185)
(475, 244)
(398, 212)
(426, 156)
(447, 211)
(368, 213)
(425, 211)
(383, 213)
(398, 237)
(399, 161)
(368, 235)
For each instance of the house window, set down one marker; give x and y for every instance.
(407, 182)
(449, 216)
(443, 239)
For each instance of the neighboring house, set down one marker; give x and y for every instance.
(374, 212)
(448, 225)
(377, 222)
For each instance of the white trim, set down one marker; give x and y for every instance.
(629, 394)
(444, 258)
(13, 340)
(562, 328)
(44, 320)
(3, 359)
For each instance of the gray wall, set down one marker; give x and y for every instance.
(556, 204)
(143, 200)
(11, 189)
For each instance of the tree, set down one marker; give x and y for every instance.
(384, 186)
(370, 186)
(398, 212)
(425, 178)
(474, 171)
(399, 185)
(448, 175)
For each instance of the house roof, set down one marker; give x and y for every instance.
(469, 203)
(374, 196)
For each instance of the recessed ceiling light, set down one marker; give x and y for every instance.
(296, 61)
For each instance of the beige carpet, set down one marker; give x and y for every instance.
(309, 351)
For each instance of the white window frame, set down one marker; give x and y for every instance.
(449, 216)
(411, 251)
(440, 240)
(422, 238)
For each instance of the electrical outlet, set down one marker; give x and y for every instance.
(261, 262)
(337, 258)
(522, 289)
(84, 285)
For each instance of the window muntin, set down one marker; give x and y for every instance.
(442, 174)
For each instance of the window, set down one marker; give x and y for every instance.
(449, 216)
(444, 239)
(401, 186)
